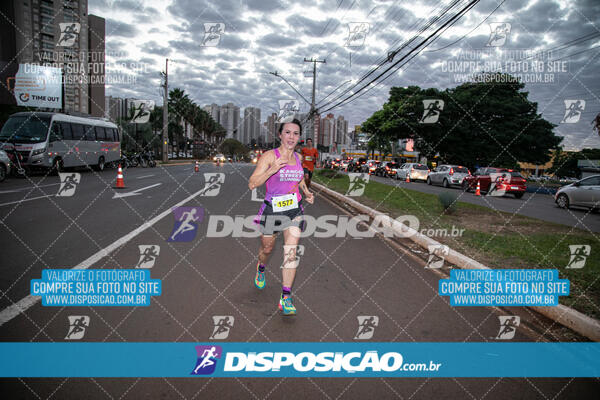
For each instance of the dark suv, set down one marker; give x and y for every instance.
(356, 164)
(386, 168)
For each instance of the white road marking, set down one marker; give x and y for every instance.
(144, 176)
(28, 188)
(28, 301)
(32, 198)
(135, 192)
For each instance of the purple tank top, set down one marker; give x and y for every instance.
(286, 180)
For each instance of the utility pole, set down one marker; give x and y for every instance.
(165, 130)
(313, 111)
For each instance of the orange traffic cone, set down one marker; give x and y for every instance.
(196, 168)
(408, 177)
(120, 182)
(478, 190)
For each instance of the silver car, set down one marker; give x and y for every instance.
(448, 175)
(4, 165)
(583, 193)
(416, 171)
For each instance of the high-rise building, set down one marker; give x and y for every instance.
(328, 130)
(250, 125)
(229, 119)
(316, 133)
(213, 110)
(341, 128)
(58, 34)
(272, 127)
(97, 73)
(114, 108)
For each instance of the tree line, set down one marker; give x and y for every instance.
(481, 123)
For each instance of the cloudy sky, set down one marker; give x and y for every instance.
(262, 36)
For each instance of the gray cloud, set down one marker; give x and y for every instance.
(119, 28)
(237, 70)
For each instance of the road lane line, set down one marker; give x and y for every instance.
(28, 188)
(28, 301)
(32, 198)
(144, 176)
(119, 195)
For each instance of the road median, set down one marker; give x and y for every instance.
(395, 202)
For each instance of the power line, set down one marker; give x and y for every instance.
(416, 49)
(431, 22)
(468, 33)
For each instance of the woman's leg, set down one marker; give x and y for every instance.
(291, 237)
(266, 248)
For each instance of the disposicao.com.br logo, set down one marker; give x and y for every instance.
(351, 362)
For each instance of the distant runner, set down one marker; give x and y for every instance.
(310, 156)
(282, 210)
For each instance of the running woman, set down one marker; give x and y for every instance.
(309, 155)
(282, 210)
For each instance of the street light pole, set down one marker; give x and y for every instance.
(165, 130)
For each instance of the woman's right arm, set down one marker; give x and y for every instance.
(264, 169)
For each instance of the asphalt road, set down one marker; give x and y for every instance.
(533, 205)
(338, 279)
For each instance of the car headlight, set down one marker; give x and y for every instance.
(38, 151)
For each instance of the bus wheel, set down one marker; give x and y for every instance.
(100, 166)
(57, 166)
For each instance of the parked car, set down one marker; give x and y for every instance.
(506, 179)
(583, 193)
(386, 169)
(219, 157)
(335, 163)
(4, 165)
(448, 175)
(415, 171)
(370, 166)
(356, 164)
(344, 163)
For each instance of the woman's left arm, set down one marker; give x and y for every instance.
(307, 193)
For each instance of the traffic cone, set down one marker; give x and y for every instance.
(120, 182)
(478, 190)
(196, 168)
(408, 177)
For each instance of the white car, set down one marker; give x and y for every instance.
(448, 175)
(416, 171)
(583, 193)
(219, 157)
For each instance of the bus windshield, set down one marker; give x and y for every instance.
(25, 129)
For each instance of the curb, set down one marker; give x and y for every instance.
(573, 319)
